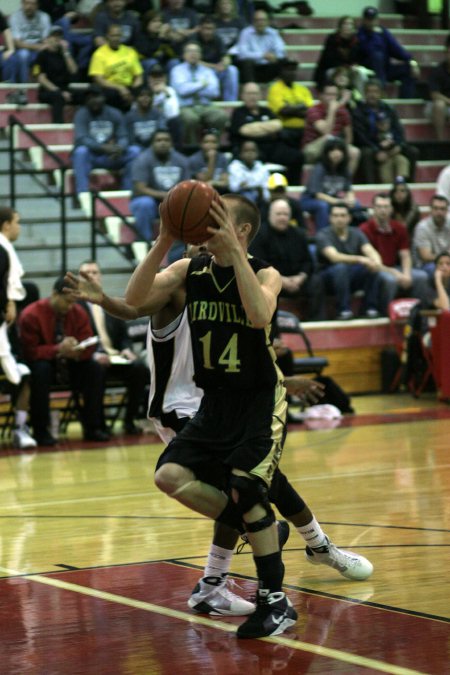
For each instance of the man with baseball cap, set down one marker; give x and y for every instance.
(379, 48)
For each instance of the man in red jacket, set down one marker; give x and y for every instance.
(52, 331)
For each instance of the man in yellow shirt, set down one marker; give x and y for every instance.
(290, 101)
(117, 69)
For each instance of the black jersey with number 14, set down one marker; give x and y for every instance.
(228, 351)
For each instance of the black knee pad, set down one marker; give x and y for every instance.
(250, 493)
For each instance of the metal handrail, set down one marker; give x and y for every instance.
(96, 197)
(62, 166)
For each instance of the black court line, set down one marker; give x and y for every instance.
(203, 518)
(243, 577)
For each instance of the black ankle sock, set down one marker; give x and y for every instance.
(270, 570)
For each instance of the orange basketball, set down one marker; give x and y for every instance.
(185, 211)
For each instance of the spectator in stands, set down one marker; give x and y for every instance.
(209, 164)
(290, 100)
(165, 101)
(390, 238)
(100, 141)
(229, 22)
(116, 68)
(348, 263)
(442, 282)
(382, 53)
(154, 44)
(155, 171)
(183, 21)
(29, 28)
(65, 13)
(277, 185)
(259, 50)
(286, 248)
(54, 70)
(214, 55)
(439, 83)
(114, 13)
(328, 118)
(330, 183)
(12, 292)
(51, 331)
(114, 342)
(432, 235)
(341, 48)
(254, 122)
(7, 55)
(348, 93)
(143, 120)
(367, 134)
(404, 207)
(247, 175)
(197, 86)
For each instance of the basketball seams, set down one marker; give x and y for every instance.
(187, 207)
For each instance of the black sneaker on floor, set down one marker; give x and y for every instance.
(273, 615)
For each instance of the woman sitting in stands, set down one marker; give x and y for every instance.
(404, 208)
(330, 183)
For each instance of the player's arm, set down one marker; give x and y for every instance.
(150, 288)
(258, 292)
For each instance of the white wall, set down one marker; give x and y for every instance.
(8, 6)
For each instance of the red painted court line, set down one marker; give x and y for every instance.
(58, 632)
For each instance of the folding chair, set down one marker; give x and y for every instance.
(303, 365)
(402, 332)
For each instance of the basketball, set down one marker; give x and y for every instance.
(185, 211)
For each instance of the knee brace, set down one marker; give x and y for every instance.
(250, 493)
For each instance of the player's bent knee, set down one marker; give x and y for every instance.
(252, 492)
(171, 478)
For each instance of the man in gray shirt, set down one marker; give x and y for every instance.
(348, 263)
(29, 28)
(154, 172)
(101, 141)
(432, 235)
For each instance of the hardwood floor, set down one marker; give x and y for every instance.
(96, 565)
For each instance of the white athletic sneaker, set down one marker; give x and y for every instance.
(349, 564)
(212, 596)
(22, 438)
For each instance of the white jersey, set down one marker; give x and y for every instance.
(172, 386)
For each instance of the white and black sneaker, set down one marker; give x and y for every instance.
(273, 615)
(23, 439)
(212, 595)
(349, 564)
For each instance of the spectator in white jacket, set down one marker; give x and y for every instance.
(247, 175)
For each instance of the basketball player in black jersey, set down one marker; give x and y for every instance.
(234, 442)
(211, 594)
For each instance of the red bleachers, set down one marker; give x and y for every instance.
(422, 192)
(390, 21)
(407, 38)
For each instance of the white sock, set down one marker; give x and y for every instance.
(219, 561)
(20, 417)
(312, 533)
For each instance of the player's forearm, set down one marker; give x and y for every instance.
(119, 308)
(258, 304)
(143, 277)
